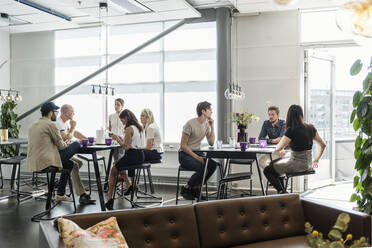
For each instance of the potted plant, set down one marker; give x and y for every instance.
(8, 121)
(242, 120)
(361, 117)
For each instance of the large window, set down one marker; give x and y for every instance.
(170, 76)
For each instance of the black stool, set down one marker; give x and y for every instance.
(231, 177)
(89, 158)
(51, 183)
(138, 168)
(16, 162)
(291, 176)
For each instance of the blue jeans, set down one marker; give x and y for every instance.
(65, 155)
(189, 163)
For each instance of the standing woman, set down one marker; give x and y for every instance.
(299, 136)
(133, 144)
(116, 126)
(154, 146)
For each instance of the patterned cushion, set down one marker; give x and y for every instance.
(104, 234)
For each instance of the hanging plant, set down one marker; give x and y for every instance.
(8, 121)
(361, 117)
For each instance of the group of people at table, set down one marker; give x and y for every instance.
(54, 141)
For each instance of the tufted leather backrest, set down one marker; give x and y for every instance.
(152, 227)
(242, 221)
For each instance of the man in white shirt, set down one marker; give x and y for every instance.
(66, 125)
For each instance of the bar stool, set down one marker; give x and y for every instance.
(231, 177)
(51, 183)
(290, 176)
(89, 158)
(16, 162)
(138, 168)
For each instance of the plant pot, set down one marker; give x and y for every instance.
(3, 134)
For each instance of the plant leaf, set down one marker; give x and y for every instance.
(356, 98)
(356, 67)
(354, 197)
(358, 142)
(356, 180)
(352, 115)
(356, 124)
(367, 81)
(362, 109)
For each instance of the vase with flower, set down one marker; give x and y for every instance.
(242, 120)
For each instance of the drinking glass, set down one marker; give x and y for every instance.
(219, 144)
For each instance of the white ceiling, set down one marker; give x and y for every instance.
(87, 12)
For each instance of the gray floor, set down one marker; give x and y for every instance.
(17, 229)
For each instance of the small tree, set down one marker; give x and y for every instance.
(361, 117)
(8, 121)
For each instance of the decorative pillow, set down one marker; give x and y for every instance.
(104, 234)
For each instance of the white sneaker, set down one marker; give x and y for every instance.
(61, 198)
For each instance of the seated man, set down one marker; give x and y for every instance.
(47, 148)
(193, 133)
(274, 129)
(66, 126)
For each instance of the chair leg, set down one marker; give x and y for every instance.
(286, 183)
(72, 191)
(18, 180)
(50, 190)
(152, 190)
(291, 184)
(144, 179)
(178, 185)
(89, 182)
(1, 175)
(104, 166)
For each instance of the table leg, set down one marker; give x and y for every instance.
(108, 169)
(98, 179)
(204, 174)
(260, 176)
(16, 152)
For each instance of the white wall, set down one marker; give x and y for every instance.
(269, 65)
(32, 71)
(4, 55)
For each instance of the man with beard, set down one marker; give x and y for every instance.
(47, 148)
(272, 131)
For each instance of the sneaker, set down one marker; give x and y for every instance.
(85, 200)
(187, 194)
(61, 198)
(196, 194)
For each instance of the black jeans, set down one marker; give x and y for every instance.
(65, 155)
(130, 158)
(192, 164)
(152, 155)
(274, 178)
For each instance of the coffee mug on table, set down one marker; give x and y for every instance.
(252, 140)
(262, 143)
(108, 142)
(243, 146)
(84, 142)
(91, 140)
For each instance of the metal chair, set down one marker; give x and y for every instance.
(51, 183)
(228, 177)
(89, 158)
(16, 162)
(290, 176)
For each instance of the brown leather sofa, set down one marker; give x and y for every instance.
(272, 221)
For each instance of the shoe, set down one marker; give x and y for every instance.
(282, 192)
(196, 194)
(110, 204)
(130, 190)
(61, 198)
(187, 194)
(85, 200)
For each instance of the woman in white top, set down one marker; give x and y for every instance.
(116, 126)
(154, 146)
(133, 144)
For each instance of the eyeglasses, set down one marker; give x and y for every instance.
(56, 111)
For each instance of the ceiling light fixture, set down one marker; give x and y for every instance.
(9, 96)
(355, 18)
(285, 2)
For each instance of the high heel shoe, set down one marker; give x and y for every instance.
(130, 190)
(110, 204)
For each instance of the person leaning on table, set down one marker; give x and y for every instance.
(47, 148)
(299, 135)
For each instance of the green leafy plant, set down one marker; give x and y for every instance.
(243, 119)
(361, 117)
(315, 239)
(8, 121)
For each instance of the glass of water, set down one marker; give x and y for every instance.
(219, 144)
